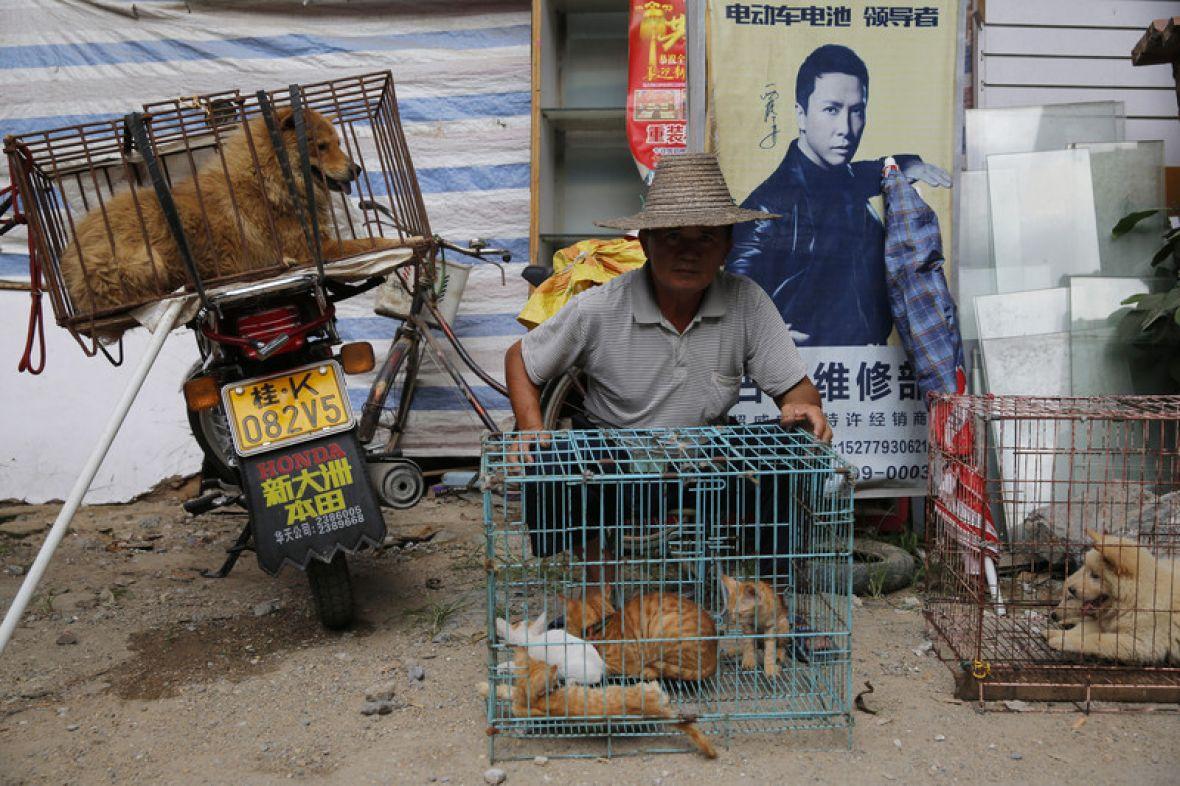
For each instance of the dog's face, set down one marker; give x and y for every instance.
(1085, 592)
(329, 163)
(1108, 574)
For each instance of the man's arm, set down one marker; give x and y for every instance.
(524, 395)
(800, 406)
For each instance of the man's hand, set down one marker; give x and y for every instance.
(917, 169)
(522, 450)
(808, 416)
(800, 406)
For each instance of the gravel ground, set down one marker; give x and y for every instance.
(130, 668)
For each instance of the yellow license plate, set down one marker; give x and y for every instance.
(289, 407)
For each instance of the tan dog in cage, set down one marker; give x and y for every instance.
(232, 217)
(1123, 604)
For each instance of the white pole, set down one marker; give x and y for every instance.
(58, 531)
(695, 75)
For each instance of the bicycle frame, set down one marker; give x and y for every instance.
(407, 347)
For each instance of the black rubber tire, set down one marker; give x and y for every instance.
(211, 430)
(894, 567)
(401, 484)
(331, 590)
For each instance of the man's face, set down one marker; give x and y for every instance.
(685, 260)
(831, 124)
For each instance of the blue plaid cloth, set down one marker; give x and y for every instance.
(923, 309)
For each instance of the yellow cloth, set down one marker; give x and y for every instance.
(577, 268)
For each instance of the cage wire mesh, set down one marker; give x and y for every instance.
(71, 179)
(1021, 603)
(708, 569)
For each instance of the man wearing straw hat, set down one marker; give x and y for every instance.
(667, 344)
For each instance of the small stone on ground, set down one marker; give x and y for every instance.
(381, 692)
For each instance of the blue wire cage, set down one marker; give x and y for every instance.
(709, 569)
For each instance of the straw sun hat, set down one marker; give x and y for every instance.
(687, 190)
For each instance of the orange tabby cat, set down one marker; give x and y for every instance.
(667, 636)
(755, 608)
(539, 693)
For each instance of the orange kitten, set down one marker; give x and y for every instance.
(539, 692)
(657, 635)
(756, 609)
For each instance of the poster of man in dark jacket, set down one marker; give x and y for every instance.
(823, 261)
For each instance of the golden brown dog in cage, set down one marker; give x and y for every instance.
(1123, 604)
(227, 212)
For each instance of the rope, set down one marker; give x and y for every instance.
(35, 337)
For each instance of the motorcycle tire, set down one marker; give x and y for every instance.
(331, 591)
(210, 428)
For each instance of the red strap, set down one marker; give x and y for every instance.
(36, 333)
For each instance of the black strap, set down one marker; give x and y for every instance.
(134, 122)
(305, 165)
(276, 142)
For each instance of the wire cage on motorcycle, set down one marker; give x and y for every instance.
(65, 174)
(600, 529)
(1019, 487)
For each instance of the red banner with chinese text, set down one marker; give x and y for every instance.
(657, 95)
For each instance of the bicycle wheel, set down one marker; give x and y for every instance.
(382, 384)
(561, 400)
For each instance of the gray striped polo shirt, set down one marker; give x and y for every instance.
(642, 373)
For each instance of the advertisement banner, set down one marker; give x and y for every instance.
(657, 97)
(879, 422)
(806, 102)
(310, 498)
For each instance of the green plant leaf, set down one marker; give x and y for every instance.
(1156, 316)
(1133, 299)
(1128, 222)
(1168, 249)
(1149, 301)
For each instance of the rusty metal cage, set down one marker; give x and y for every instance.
(1053, 524)
(70, 175)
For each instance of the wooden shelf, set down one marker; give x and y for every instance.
(605, 119)
(582, 169)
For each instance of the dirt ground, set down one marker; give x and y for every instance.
(130, 668)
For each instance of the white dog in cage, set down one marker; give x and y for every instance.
(576, 660)
(1123, 604)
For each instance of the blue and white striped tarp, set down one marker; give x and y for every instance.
(462, 75)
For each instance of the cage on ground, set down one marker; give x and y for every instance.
(1053, 526)
(644, 584)
(103, 238)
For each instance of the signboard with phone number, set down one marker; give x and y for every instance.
(878, 419)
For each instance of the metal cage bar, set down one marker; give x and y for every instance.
(1075, 504)
(649, 545)
(70, 175)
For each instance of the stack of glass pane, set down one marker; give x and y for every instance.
(1040, 279)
